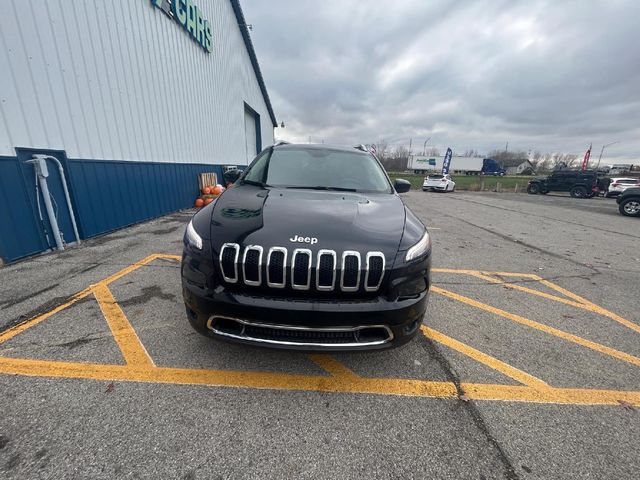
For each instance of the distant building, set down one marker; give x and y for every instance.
(524, 167)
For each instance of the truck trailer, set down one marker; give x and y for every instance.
(459, 165)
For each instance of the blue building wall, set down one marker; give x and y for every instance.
(105, 195)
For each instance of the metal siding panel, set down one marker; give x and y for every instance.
(21, 232)
(128, 83)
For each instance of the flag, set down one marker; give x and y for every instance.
(447, 161)
(585, 162)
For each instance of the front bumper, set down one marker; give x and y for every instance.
(313, 324)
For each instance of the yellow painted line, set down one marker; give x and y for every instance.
(294, 382)
(539, 326)
(485, 359)
(331, 365)
(168, 256)
(453, 270)
(241, 379)
(577, 302)
(127, 270)
(125, 336)
(486, 276)
(21, 327)
(593, 307)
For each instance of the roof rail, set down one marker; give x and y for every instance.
(281, 142)
(361, 147)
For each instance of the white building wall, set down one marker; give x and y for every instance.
(119, 80)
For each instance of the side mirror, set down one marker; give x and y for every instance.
(402, 186)
(230, 176)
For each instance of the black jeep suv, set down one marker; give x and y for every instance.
(312, 248)
(579, 184)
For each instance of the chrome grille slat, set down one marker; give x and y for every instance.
(270, 282)
(319, 285)
(298, 271)
(346, 255)
(252, 248)
(236, 248)
(297, 252)
(375, 286)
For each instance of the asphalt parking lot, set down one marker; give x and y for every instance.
(527, 365)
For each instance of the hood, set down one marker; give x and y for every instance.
(339, 221)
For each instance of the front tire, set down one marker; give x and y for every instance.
(630, 207)
(578, 192)
(533, 189)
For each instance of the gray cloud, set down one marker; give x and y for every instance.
(545, 75)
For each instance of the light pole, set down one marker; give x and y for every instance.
(602, 150)
(424, 147)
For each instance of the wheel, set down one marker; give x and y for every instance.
(578, 192)
(630, 207)
(533, 189)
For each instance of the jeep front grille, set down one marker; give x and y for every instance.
(346, 272)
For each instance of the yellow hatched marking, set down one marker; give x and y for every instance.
(331, 365)
(577, 302)
(125, 336)
(539, 326)
(285, 381)
(485, 359)
(21, 327)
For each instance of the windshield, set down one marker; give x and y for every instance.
(321, 169)
(435, 177)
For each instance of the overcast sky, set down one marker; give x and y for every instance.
(548, 76)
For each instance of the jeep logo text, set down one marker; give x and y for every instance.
(298, 239)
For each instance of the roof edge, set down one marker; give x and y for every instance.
(244, 30)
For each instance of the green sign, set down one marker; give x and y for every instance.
(432, 161)
(189, 17)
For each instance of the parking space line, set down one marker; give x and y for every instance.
(294, 382)
(540, 326)
(127, 270)
(332, 366)
(21, 327)
(488, 360)
(592, 306)
(140, 367)
(125, 336)
(577, 302)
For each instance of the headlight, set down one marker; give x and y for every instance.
(419, 248)
(192, 236)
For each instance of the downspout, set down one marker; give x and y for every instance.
(41, 171)
(66, 193)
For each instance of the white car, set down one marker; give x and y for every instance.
(620, 184)
(439, 182)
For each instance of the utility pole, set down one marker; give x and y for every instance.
(506, 147)
(424, 147)
(602, 150)
(410, 140)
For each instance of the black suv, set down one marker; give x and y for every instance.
(629, 202)
(579, 184)
(311, 248)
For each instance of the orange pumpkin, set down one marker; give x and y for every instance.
(217, 190)
(199, 203)
(206, 190)
(207, 201)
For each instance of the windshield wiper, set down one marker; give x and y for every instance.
(322, 187)
(253, 182)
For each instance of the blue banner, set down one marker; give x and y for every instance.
(447, 161)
